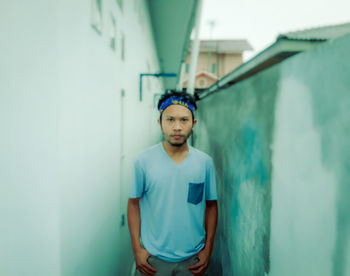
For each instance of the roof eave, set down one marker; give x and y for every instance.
(172, 23)
(276, 53)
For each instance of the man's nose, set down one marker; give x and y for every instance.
(177, 125)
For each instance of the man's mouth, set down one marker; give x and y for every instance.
(177, 136)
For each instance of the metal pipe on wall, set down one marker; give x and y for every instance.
(180, 84)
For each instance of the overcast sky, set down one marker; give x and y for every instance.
(260, 21)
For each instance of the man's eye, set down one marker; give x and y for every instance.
(184, 119)
(170, 119)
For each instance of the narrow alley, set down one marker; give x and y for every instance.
(80, 85)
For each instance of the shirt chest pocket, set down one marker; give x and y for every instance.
(195, 192)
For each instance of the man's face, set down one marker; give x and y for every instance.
(176, 124)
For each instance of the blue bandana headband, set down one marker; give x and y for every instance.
(175, 100)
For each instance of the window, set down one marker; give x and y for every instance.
(96, 16)
(202, 82)
(120, 4)
(122, 53)
(213, 68)
(113, 33)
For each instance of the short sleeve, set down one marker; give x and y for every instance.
(210, 181)
(138, 183)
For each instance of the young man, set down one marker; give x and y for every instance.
(172, 209)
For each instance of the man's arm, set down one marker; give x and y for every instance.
(134, 222)
(211, 219)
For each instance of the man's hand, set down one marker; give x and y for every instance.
(142, 265)
(211, 218)
(141, 254)
(202, 265)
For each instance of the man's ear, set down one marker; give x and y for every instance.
(194, 123)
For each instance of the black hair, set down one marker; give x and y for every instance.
(182, 95)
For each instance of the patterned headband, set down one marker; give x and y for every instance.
(175, 100)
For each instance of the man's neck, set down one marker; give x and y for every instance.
(173, 150)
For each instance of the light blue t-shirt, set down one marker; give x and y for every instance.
(172, 203)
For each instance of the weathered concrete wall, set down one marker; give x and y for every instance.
(279, 141)
(235, 126)
(310, 195)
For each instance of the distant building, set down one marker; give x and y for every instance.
(216, 59)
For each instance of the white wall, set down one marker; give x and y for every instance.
(63, 187)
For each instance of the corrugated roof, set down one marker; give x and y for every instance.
(318, 34)
(225, 46)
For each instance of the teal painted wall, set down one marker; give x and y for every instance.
(280, 144)
(310, 206)
(235, 127)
